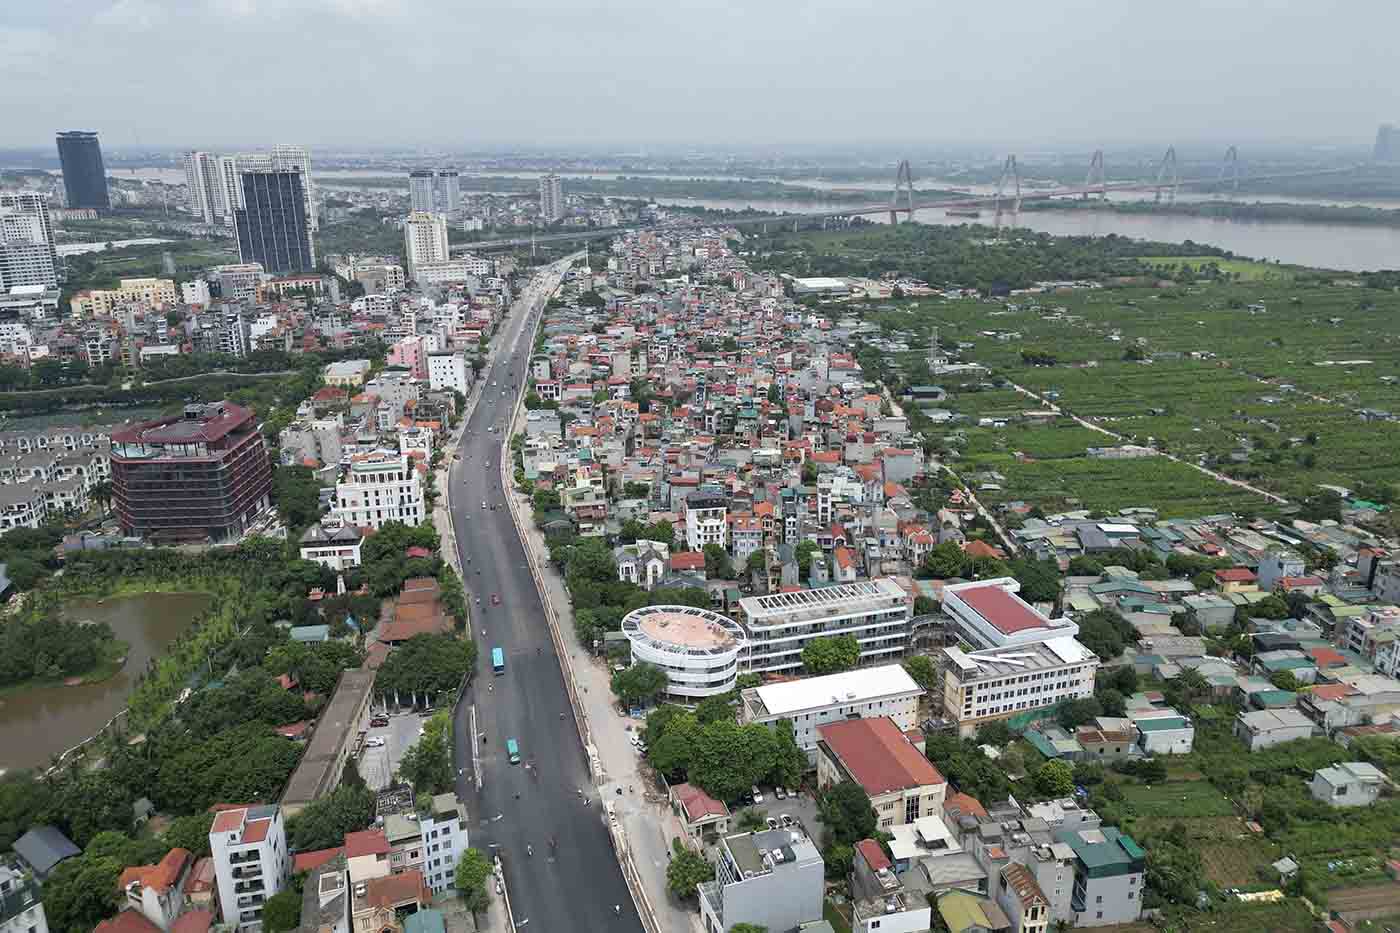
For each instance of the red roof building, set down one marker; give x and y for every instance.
(876, 755)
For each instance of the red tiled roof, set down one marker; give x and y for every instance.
(1235, 575)
(1000, 608)
(698, 805)
(366, 842)
(966, 804)
(397, 890)
(201, 877)
(979, 548)
(1327, 657)
(877, 755)
(688, 560)
(128, 921)
(874, 855)
(229, 820)
(256, 830)
(1331, 691)
(196, 921)
(308, 861)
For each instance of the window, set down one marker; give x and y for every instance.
(1099, 915)
(1099, 899)
(1131, 895)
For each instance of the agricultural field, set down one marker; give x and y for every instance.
(1263, 380)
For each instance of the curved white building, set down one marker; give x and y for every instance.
(698, 649)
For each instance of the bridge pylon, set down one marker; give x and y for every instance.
(1012, 173)
(903, 177)
(1230, 172)
(1168, 177)
(1095, 177)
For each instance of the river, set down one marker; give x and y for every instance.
(38, 723)
(1348, 247)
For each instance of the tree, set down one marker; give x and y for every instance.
(282, 911)
(748, 928)
(325, 822)
(714, 709)
(921, 668)
(789, 758)
(1105, 632)
(718, 566)
(757, 562)
(1284, 680)
(1190, 683)
(830, 654)
(297, 494)
(473, 869)
(1055, 778)
(81, 892)
(715, 764)
(686, 871)
(189, 832)
(925, 605)
(1072, 714)
(1039, 579)
(639, 683)
(847, 814)
(945, 561)
(427, 764)
(1112, 702)
(1083, 566)
(803, 553)
(995, 733)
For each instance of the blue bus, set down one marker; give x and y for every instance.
(513, 751)
(498, 660)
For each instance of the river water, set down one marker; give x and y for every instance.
(1349, 247)
(38, 723)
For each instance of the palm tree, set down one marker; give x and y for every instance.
(1191, 683)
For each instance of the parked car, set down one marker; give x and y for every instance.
(379, 722)
(788, 821)
(757, 794)
(772, 823)
(779, 793)
(495, 599)
(374, 742)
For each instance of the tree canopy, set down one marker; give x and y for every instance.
(830, 654)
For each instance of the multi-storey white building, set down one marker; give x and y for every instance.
(205, 191)
(420, 190)
(989, 614)
(332, 544)
(27, 254)
(998, 683)
(551, 198)
(286, 158)
(424, 240)
(379, 488)
(706, 521)
(251, 864)
(864, 693)
(698, 649)
(779, 625)
(448, 370)
(444, 835)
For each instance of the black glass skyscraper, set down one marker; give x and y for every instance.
(84, 175)
(272, 225)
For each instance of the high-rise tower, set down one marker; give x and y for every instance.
(84, 175)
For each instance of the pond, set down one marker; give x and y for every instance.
(40, 722)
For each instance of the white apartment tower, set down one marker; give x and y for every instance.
(447, 369)
(424, 239)
(206, 192)
(380, 488)
(27, 255)
(251, 863)
(551, 199)
(449, 192)
(420, 190)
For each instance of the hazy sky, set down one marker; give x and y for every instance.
(468, 74)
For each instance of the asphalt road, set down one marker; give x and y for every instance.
(576, 886)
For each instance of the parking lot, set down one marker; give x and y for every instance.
(377, 764)
(802, 808)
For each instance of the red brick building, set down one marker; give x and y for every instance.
(202, 474)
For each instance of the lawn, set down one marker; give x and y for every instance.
(1191, 800)
(1247, 270)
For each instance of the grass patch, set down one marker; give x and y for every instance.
(1196, 799)
(1246, 270)
(833, 915)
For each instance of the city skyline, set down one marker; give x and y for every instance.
(779, 74)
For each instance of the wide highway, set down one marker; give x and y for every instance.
(576, 883)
